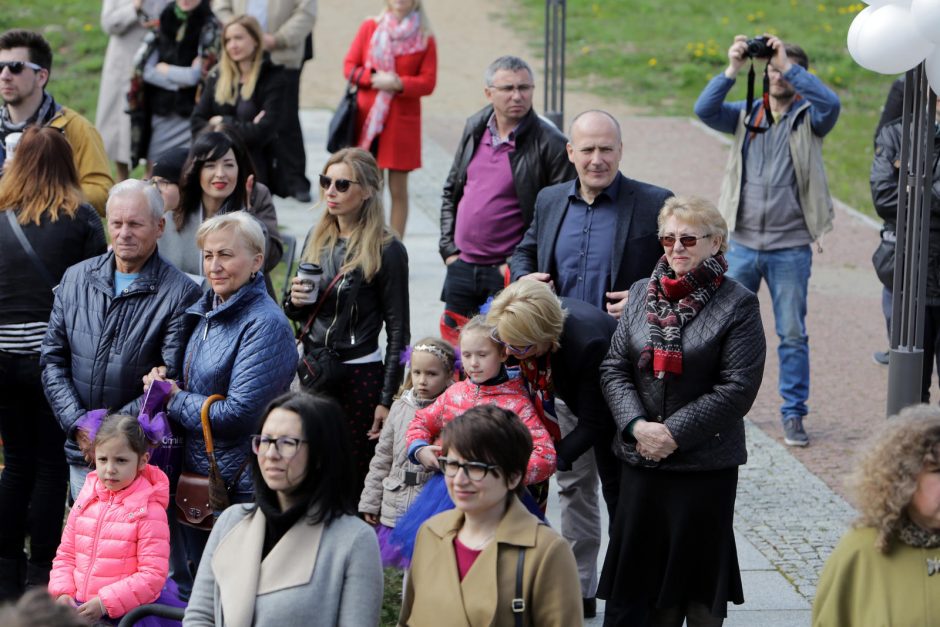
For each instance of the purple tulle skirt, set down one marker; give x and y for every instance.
(390, 552)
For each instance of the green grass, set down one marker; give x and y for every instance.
(657, 56)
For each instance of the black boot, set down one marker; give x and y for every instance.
(12, 573)
(37, 574)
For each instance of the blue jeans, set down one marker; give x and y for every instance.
(786, 272)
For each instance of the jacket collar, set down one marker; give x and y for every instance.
(150, 485)
(512, 386)
(242, 575)
(101, 274)
(246, 294)
(518, 527)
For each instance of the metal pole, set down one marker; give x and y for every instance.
(555, 32)
(910, 272)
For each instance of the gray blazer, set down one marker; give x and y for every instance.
(315, 575)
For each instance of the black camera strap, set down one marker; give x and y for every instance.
(756, 128)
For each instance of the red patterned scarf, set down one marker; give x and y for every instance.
(671, 304)
(537, 374)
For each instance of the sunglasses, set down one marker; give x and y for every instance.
(518, 351)
(688, 241)
(16, 67)
(342, 185)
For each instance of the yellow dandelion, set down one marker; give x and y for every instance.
(87, 27)
(652, 62)
(585, 50)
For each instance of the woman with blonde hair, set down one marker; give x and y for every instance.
(393, 60)
(364, 288)
(245, 92)
(45, 227)
(886, 571)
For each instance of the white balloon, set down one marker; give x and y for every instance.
(854, 29)
(926, 15)
(932, 68)
(889, 43)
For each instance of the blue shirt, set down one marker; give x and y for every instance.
(123, 281)
(585, 245)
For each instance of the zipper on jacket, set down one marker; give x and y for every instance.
(205, 332)
(94, 546)
(353, 321)
(339, 289)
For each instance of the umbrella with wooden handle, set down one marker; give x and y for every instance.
(218, 494)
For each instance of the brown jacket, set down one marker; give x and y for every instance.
(434, 594)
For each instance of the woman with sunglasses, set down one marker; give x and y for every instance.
(684, 367)
(363, 289)
(393, 60)
(489, 561)
(321, 562)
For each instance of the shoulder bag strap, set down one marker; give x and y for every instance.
(28, 249)
(320, 301)
(518, 603)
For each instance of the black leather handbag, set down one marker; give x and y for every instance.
(342, 132)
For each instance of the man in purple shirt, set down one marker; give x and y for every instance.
(506, 155)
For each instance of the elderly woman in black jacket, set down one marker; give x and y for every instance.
(684, 367)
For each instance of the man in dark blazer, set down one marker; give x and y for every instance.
(591, 238)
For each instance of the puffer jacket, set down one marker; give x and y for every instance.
(352, 328)
(538, 160)
(116, 545)
(884, 195)
(723, 351)
(243, 349)
(461, 396)
(394, 481)
(98, 346)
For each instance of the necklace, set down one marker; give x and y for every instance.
(479, 545)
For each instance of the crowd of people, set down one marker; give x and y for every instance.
(259, 460)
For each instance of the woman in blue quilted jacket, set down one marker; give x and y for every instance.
(242, 348)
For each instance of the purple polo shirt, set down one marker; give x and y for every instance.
(489, 220)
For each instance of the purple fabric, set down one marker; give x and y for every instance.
(152, 418)
(391, 554)
(489, 220)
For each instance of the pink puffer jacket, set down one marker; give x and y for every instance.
(116, 545)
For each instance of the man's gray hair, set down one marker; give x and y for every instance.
(143, 188)
(508, 63)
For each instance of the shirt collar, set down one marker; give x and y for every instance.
(612, 191)
(494, 133)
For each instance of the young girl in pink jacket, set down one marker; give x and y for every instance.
(115, 549)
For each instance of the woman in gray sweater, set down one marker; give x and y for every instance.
(299, 556)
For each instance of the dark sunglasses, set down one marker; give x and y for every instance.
(16, 67)
(688, 241)
(342, 185)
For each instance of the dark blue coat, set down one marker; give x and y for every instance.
(243, 349)
(98, 346)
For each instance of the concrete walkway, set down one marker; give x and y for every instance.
(787, 520)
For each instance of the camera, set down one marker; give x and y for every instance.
(757, 48)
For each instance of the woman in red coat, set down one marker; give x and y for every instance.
(398, 58)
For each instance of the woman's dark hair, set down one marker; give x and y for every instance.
(211, 147)
(329, 486)
(123, 425)
(491, 434)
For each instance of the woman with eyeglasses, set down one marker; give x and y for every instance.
(299, 555)
(364, 288)
(393, 60)
(242, 347)
(684, 367)
(41, 199)
(489, 561)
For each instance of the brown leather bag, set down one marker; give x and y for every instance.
(199, 497)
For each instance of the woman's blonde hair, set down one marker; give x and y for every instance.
(419, 7)
(528, 312)
(229, 83)
(697, 212)
(433, 346)
(364, 245)
(885, 478)
(241, 223)
(41, 178)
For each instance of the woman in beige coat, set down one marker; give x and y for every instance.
(467, 561)
(126, 22)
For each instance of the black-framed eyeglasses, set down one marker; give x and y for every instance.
(475, 471)
(508, 89)
(518, 351)
(284, 446)
(342, 185)
(16, 67)
(159, 182)
(688, 241)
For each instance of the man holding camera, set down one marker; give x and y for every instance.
(775, 196)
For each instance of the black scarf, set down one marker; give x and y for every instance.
(46, 111)
(276, 522)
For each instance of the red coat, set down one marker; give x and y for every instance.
(400, 140)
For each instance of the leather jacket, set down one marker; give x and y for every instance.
(539, 160)
(723, 350)
(352, 328)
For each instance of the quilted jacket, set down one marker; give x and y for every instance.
(723, 352)
(98, 346)
(461, 396)
(243, 349)
(386, 492)
(116, 545)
